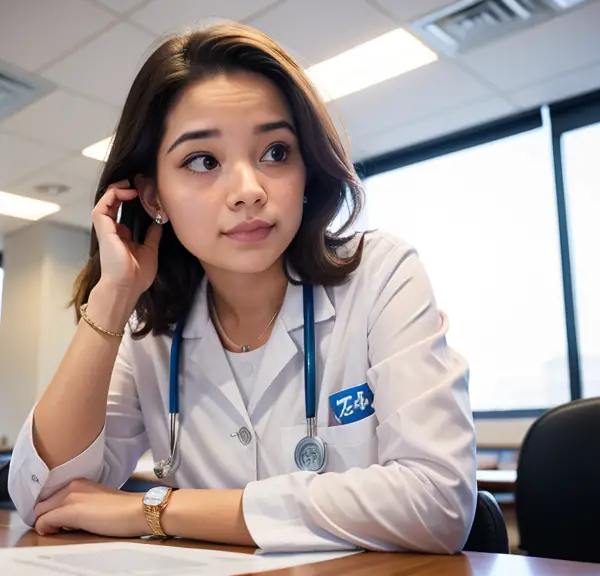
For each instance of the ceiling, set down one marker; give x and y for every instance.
(89, 50)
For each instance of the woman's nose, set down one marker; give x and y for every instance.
(245, 188)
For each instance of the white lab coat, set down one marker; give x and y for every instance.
(400, 479)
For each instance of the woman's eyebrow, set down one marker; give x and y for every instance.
(215, 133)
(194, 135)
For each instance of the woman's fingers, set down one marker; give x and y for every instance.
(105, 212)
(69, 492)
(51, 522)
(111, 199)
(123, 262)
(51, 503)
(123, 232)
(153, 235)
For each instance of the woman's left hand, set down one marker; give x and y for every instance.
(85, 505)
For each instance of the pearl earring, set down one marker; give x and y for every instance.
(305, 200)
(158, 219)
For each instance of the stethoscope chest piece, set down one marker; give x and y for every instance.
(162, 469)
(311, 454)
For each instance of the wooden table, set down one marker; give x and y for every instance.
(14, 533)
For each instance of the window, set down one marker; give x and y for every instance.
(484, 221)
(582, 193)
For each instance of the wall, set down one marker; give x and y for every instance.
(41, 262)
(67, 250)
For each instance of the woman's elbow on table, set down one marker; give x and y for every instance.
(396, 508)
(449, 529)
(442, 515)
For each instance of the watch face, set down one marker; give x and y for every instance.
(156, 495)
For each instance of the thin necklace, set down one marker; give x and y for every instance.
(243, 347)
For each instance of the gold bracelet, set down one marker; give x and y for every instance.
(83, 312)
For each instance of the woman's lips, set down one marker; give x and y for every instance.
(247, 237)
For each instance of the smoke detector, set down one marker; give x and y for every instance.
(470, 23)
(53, 190)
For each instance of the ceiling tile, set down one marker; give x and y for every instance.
(78, 214)
(105, 68)
(62, 119)
(32, 33)
(404, 135)
(121, 5)
(340, 25)
(558, 88)
(407, 10)
(162, 16)
(19, 157)
(418, 94)
(83, 167)
(554, 47)
(75, 214)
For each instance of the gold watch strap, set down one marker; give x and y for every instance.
(152, 514)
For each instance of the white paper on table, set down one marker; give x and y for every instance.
(115, 559)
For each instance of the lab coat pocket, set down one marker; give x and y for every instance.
(348, 446)
(351, 445)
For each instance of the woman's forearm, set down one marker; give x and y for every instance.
(209, 515)
(72, 411)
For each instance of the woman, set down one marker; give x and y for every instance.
(237, 173)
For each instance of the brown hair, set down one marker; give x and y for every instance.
(331, 180)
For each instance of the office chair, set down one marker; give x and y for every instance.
(488, 533)
(558, 484)
(5, 501)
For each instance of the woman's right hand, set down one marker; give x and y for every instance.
(125, 265)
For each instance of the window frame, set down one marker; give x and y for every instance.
(561, 116)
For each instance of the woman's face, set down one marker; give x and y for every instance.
(230, 157)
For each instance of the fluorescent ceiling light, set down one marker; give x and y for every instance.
(99, 150)
(26, 208)
(375, 61)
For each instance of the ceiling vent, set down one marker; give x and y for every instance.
(470, 23)
(17, 90)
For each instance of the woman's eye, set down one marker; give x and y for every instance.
(276, 153)
(202, 163)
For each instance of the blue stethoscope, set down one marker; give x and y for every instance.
(311, 452)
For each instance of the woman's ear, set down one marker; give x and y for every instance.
(148, 195)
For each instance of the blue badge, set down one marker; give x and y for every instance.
(352, 404)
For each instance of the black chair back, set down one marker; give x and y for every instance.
(4, 466)
(488, 533)
(558, 484)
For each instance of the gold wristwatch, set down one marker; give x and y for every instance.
(155, 501)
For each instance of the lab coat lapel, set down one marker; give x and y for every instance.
(281, 347)
(217, 369)
(209, 356)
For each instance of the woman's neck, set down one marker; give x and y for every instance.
(246, 302)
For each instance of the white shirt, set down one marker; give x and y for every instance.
(402, 478)
(244, 367)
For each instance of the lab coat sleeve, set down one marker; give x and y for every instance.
(421, 494)
(110, 459)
